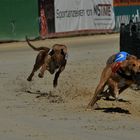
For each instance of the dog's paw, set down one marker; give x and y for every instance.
(54, 84)
(40, 75)
(29, 79)
(89, 108)
(94, 107)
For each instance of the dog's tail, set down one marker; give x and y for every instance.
(33, 47)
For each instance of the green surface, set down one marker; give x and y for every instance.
(123, 14)
(18, 18)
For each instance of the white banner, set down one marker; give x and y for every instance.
(73, 15)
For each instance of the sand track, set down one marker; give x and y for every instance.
(36, 111)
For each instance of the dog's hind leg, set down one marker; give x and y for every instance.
(96, 96)
(103, 80)
(35, 68)
(38, 63)
(43, 68)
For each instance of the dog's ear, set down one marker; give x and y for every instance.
(130, 57)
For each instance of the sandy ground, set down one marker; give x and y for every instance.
(36, 111)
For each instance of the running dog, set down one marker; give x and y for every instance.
(118, 74)
(54, 60)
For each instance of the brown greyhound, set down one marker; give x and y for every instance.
(117, 77)
(54, 60)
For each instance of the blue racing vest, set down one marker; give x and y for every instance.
(121, 56)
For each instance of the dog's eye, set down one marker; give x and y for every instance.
(134, 65)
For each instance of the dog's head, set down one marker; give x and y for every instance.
(132, 65)
(58, 55)
(58, 58)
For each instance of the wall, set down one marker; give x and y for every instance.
(126, 10)
(72, 17)
(18, 18)
(76, 15)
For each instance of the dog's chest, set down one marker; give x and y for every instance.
(122, 83)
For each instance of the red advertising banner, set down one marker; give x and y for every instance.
(126, 2)
(44, 29)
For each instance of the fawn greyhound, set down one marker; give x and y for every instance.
(117, 76)
(54, 60)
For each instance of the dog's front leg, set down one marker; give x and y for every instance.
(114, 89)
(116, 92)
(42, 70)
(45, 66)
(55, 81)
